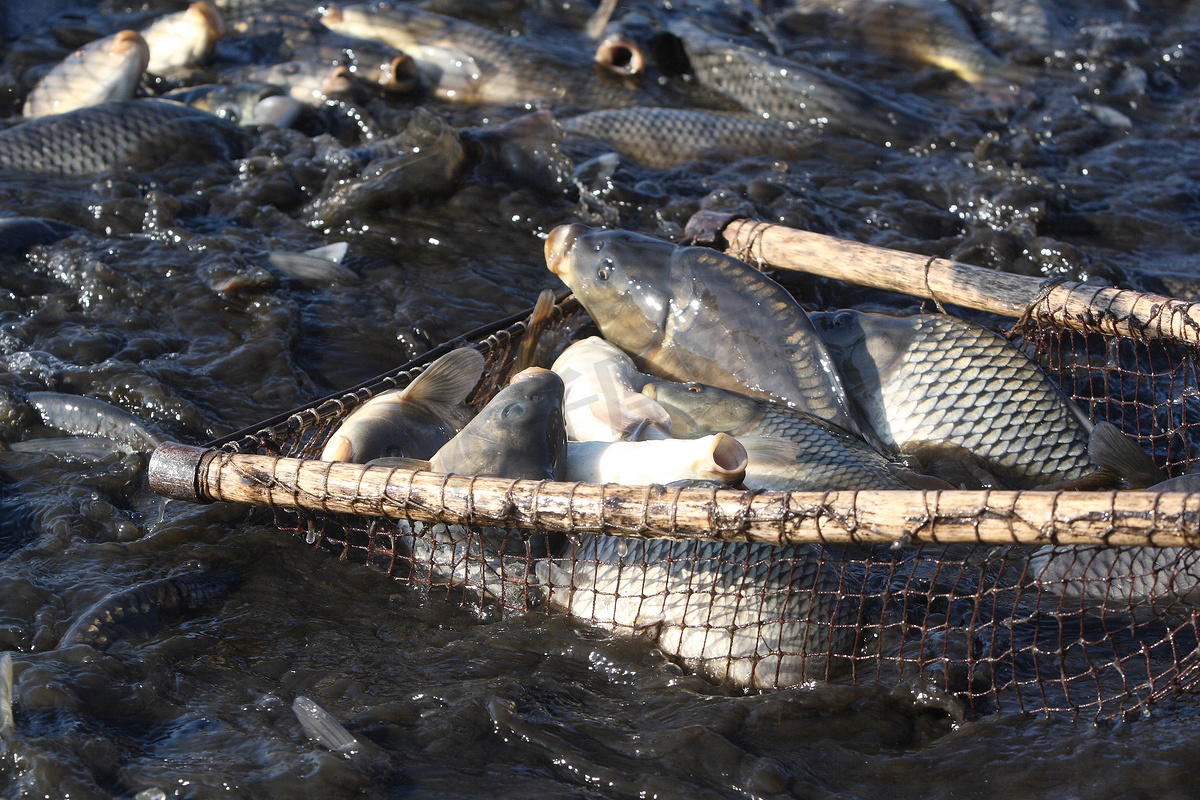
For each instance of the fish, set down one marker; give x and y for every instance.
(244, 104)
(183, 39)
(691, 313)
(18, 234)
(519, 434)
(787, 448)
(139, 611)
(295, 37)
(527, 150)
(421, 162)
(749, 615)
(85, 448)
(106, 69)
(1030, 23)
(1120, 578)
(87, 416)
(718, 457)
(466, 63)
(661, 138)
(933, 32)
(320, 726)
(315, 267)
(132, 133)
(602, 400)
(8, 727)
(794, 95)
(310, 83)
(932, 379)
(413, 422)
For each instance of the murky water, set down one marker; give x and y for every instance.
(1092, 172)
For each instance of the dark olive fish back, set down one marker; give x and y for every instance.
(136, 133)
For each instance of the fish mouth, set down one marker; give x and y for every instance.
(125, 41)
(402, 74)
(621, 56)
(559, 244)
(339, 80)
(209, 18)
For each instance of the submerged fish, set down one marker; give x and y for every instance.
(413, 422)
(1120, 578)
(184, 38)
(602, 401)
(464, 62)
(931, 380)
(310, 83)
(139, 611)
(293, 37)
(753, 616)
(665, 137)
(17, 234)
(691, 313)
(421, 162)
(787, 448)
(928, 31)
(318, 266)
(792, 94)
(132, 133)
(718, 457)
(87, 416)
(245, 104)
(106, 69)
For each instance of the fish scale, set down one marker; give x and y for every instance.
(115, 134)
(827, 459)
(664, 137)
(705, 604)
(952, 381)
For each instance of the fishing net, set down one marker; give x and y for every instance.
(948, 592)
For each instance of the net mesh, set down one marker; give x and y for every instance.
(1091, 632)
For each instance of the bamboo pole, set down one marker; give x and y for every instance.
(1068, 304)
(847, 517)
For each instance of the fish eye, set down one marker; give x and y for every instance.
(841, 318)
(512, 410)
(695, 388)
(605, 269)
(228, 112)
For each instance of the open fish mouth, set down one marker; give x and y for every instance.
(559, 244)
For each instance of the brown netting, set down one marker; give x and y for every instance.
(765, 590)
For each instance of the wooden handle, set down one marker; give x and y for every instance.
(1077, 306)
(863, 517)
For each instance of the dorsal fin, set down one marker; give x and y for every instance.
(331, 252)
(1109, 447)
(633, 412)
(445, 382)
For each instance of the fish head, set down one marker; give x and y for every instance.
(623, 279)
(698, 410)
(519, 434)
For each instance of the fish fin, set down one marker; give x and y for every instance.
(916, 480)
(634, 412)
(445, 382)
(539, 318)
(331, 252)
(954, 464)
(400, 462)
(310, 269)
(1099, 480)
(8, 728)
(1109, 447)
(768, 449)
(320, 726)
